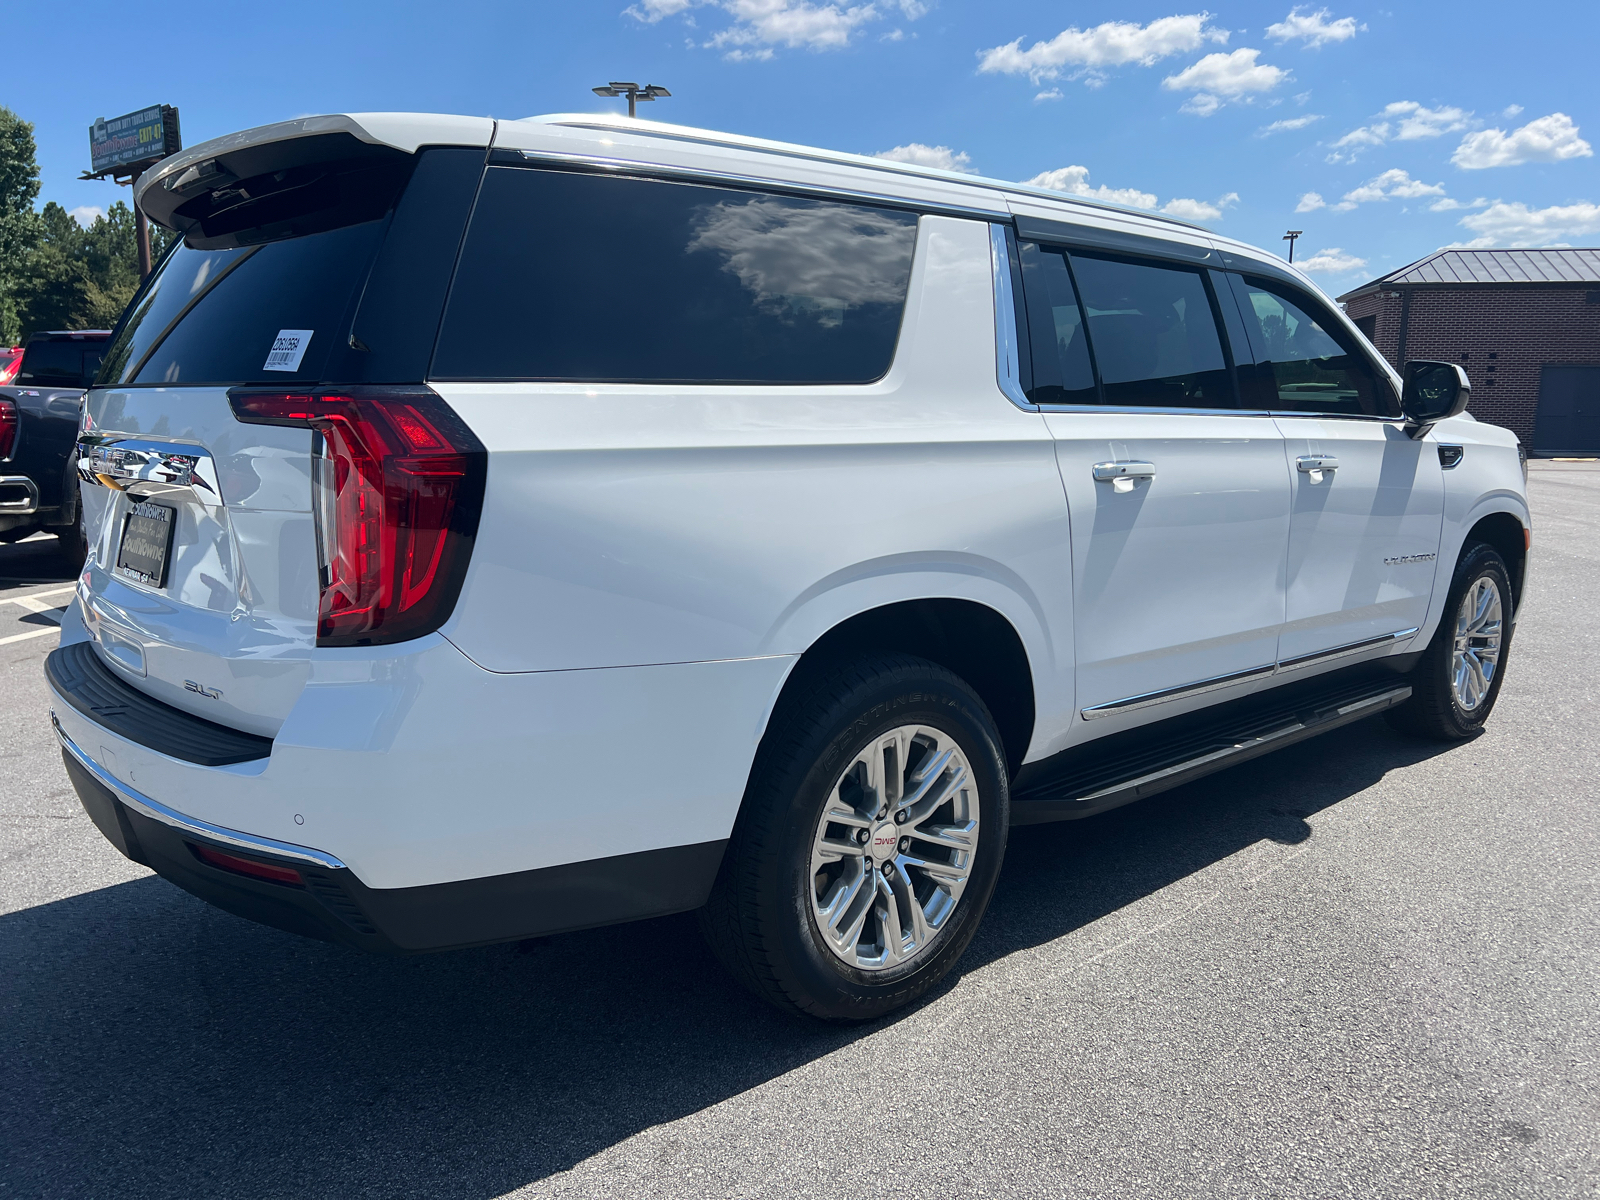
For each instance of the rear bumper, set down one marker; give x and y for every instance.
(332, 904)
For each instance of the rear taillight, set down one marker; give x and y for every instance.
(8, 427)
(397, 486)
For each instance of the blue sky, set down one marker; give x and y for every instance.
(1383, 133)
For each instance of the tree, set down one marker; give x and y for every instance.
(54, 273)
(19, 224)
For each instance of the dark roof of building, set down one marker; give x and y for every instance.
(1444, 268)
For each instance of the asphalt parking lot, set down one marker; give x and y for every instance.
(1364, 966)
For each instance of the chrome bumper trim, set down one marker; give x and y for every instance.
(30, 498)
(157, 811)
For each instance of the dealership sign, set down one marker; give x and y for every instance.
(141, 137)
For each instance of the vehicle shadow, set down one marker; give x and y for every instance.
(156, 1046)
(37, 559)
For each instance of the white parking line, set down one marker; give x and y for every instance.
(32, 599)
(32, 633)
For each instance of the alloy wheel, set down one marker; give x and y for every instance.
(1476, 654)
(894, 848)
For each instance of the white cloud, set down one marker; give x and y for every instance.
(1313, 28)
(1547, 139)
(1052, 94)
(86, 214)
(651, 11)
(942, 157)
(1090, 52)
(1419, 122)
(760, 25)
(1393, 182)
(1310, 202)
(1332, 261)
(1404, 120)
(1511, 110)
(1074, 180)
(1199, 210)
(1220, 77)
(1449, 205)
(1503, 224)
(1289, 124)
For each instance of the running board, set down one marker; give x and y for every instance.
(1118, 770)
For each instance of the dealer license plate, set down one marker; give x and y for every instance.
(146, 543)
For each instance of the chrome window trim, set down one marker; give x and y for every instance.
(1217, 682)
(1007, 345)
(667, 171)
(157, 811)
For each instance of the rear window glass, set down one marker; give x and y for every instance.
(259, 314)
(568, 276)
(52, 364)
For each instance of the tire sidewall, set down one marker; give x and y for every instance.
(934, 698)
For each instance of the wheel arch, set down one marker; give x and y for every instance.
(969, 638)
(1507, 534)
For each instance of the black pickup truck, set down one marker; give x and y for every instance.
(38, 432)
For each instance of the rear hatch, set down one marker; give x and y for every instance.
(308, 281)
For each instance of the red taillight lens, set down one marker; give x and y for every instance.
(397, 485)
(8, 427)
(224, 861)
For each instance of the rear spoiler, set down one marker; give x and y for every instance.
(263, 166)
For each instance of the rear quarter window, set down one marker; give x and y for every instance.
(568, 276)
(216, 316)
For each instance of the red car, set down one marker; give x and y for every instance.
(10, 360)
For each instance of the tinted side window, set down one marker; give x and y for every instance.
(568, 276)
(1304, 361)
(1062, 371)
(1154, 336)
(52, 364)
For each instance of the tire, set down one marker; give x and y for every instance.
(74, 543)
(768, 919)
(1439, 709)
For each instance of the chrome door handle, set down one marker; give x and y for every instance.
(1122, 476)
(1317, 462)
(1313, 465)
(1124, 470)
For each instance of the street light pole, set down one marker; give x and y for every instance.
(633, 92)
(1291, 237)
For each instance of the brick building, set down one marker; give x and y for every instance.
(1524, 323)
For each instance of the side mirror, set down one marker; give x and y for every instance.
(1434, 391)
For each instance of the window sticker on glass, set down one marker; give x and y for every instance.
(288, 349)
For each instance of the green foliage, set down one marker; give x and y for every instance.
(19, 187)
(82, 278)
(55, 274)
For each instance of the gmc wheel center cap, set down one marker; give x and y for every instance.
(884, 839)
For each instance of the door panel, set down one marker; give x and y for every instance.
(1364, 534)
(1178, 578)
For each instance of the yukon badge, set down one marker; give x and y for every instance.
(190, 685)
(1405, 560)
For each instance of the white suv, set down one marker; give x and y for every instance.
(500, 528)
